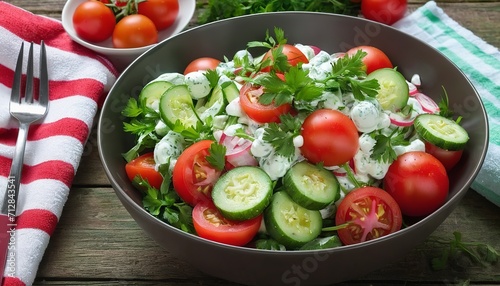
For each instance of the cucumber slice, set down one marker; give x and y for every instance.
(322, 243)
(242, 193)
(441, 131)
(289, 223)
(214, 106)
(230, 90)
(176, 104)
(150, 95)
(394, 92)
(311, 186)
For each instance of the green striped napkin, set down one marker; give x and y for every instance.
(480, 61)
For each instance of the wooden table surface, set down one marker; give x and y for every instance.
(98, 243)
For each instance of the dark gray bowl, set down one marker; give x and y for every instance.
(331, 33)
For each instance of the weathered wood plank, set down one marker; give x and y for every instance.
(98, 238)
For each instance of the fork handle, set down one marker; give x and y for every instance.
(9, 205)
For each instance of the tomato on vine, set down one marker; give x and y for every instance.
(93, 21)
(384, 11)
(163, 13)
(134, 31)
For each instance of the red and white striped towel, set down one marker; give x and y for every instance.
(79, 80)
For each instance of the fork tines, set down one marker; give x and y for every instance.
(43, 76)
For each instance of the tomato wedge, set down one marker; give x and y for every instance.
(368, 213)
(249, 102)
(210, 224)
(144, 166)
(193, 177)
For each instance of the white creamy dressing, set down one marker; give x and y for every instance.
(367, 116)
(169, 149)
(197, 84)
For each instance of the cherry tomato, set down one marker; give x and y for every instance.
(448, 158)
(249, 102)
(210, 224)
(293, 54)
(204, 63)
(134, 31)
(370, 213)
(384, 11)
(375, 58)
(93, 21)
(193, 177)
(144, 166)
(163, 13)
(418, 182)
(330, 137)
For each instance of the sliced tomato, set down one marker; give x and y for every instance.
(249, 101)
(144, 166)
(368, 213)
(330, 137)
(210, 224)
(418, 182)
(293, 54)
(193, 177)
(448, 158)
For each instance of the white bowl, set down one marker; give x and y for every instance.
(122, 57)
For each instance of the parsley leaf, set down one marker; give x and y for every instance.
(198, 132)
(281, 135)
(277, 61)
(217, 156)
(132, 109)
(165, 204)
(270, 42)
(345, 73)
(444, 109)
(296, 86)
(142, 124)
(383, 151)
(479, 253)
(212, 77)
(222, 9)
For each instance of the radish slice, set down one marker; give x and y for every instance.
(339, 174)
(244, 158)
(338, 55)
(238, 151)
(412, 88)
(315, 49)
(415, 79)
(428, 104)
(401, 121)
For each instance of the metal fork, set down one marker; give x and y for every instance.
(26, 109)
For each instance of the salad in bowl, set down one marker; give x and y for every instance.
(290, 147)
